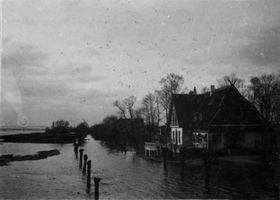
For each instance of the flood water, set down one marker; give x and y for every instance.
(124, 176)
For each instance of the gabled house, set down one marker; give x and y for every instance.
(221, 119)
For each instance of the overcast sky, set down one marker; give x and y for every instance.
(70, 59)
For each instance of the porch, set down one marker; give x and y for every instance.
(152, 149)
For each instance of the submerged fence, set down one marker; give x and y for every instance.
(85, 166)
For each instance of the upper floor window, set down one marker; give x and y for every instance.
(197, 116)
(200, 117)
(194, 117)
(174, 121)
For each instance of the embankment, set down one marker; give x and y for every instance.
(5, 159)
(42, 138)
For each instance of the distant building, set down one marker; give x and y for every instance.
(221, 119)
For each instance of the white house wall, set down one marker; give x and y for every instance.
(177, 135)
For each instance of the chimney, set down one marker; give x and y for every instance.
(212, 88)
(194, 90)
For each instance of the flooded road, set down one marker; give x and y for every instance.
(124, 176)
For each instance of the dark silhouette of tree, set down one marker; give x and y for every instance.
(59, 127)
(129, 103)
(60, 124)
(139, 113)
(82, 128)
(236, 81)
(158, 106)
(150, 109)
(109, 120)
(170, 84)
(122, 108)
(264, 94)
(125, 107)
(120, 132)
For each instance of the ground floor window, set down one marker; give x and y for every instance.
(200, 139)
(177, 135)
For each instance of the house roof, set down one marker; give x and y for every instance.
(225, 107)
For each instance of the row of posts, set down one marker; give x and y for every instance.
(86, 170)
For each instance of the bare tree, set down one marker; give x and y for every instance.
(122, 108)
(150, 109)
(129, 103)
(158, 106)
(170, 84)
(264, 94)
(139, 113)
(236, 81)
(125, 107)
(164, 100)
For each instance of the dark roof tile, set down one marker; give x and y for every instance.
(225, 106)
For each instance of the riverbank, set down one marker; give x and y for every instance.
(7, 158)
(62, 138)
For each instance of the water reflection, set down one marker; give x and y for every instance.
(227, 181)
(125, 176)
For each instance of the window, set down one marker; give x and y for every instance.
(197, 116)
(177, 136)
(194, 117)
(174, 121)
(200, 139)
(180, 136)
(176, 139)
(173, 136)
(200, 117)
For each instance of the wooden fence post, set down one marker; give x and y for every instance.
(76, 145)
(96, 187)
(81, 157)
(88, 175)
(85, 164)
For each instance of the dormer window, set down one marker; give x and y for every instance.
(174, 120)
(200, 116)
(194, 117)
(197, 116)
